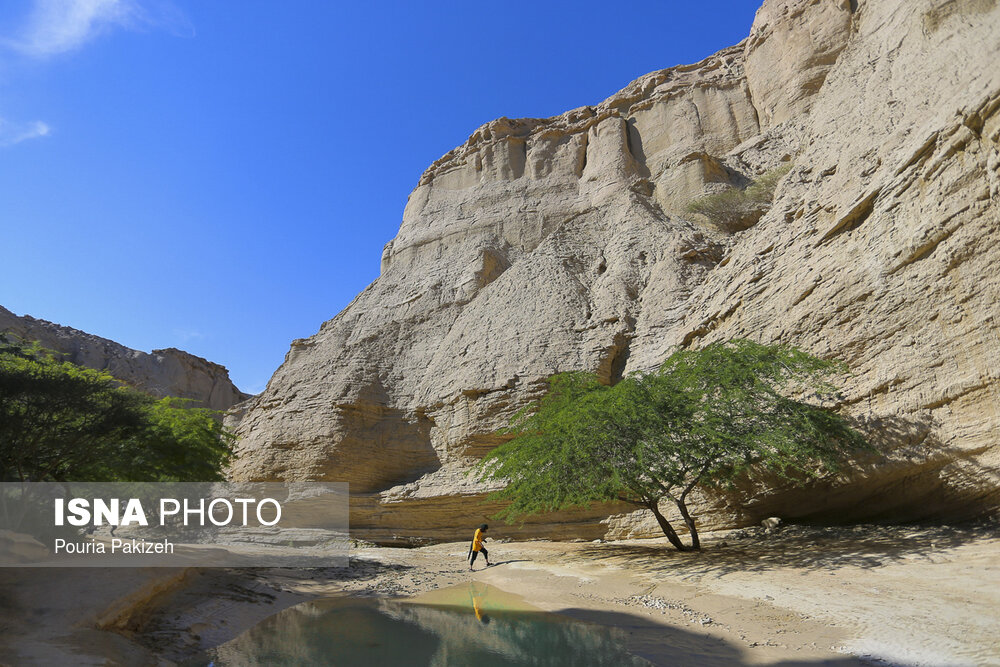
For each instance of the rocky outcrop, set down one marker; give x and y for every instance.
(878, 251)
(545, 245)
(168, 372)
(792, 47)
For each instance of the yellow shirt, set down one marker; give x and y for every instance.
(477, 540)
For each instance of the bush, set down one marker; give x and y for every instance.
(737, 209)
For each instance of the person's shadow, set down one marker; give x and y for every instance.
(513, 560)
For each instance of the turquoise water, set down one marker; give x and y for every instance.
(381, 632)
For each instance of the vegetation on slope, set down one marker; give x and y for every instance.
(62, 422)
(737, 209)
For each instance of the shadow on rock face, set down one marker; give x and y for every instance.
(910, 475)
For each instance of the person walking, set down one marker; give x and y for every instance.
(477, 546)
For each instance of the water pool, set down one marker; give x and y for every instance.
(477, 626)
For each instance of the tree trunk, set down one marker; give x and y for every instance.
(682, 506)
(667, 529)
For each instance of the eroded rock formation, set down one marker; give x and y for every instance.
(545, 245)
(168, 372)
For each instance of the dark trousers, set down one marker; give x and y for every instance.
(485, 553)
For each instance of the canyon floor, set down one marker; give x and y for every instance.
(884, 595)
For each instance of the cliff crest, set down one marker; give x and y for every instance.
(166, 372)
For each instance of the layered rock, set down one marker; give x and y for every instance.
(167, 372)
(792, 46)
(879, 251)
(545, 245)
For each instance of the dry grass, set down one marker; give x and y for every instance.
(737, 209)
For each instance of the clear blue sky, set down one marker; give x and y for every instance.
(221, 176)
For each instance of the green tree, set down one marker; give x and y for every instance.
(705, 417)
(62, 422)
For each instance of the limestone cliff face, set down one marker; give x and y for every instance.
(545, 245)
(168, 372)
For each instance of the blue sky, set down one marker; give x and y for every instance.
(221, 176)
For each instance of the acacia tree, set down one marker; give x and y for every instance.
(62, 422)
(705, 417)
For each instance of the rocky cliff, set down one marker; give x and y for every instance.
(545, 245)
(168, 372)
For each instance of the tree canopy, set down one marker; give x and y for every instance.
(62, 422)
(705, 417)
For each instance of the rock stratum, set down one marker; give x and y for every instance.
(546, 245)
(167, 372)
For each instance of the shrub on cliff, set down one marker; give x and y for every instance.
(703, 418)
(62, 422)
(738, 209)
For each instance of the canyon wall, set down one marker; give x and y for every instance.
(168, 372)
(546, 245)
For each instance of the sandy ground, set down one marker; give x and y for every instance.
(801, 596)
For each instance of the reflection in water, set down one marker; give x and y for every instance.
(476, 593)
(482, 631)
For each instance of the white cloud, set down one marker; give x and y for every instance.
(60, 26)
(14, 133)
(188, 335)
(53, 27)
(256, 387)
